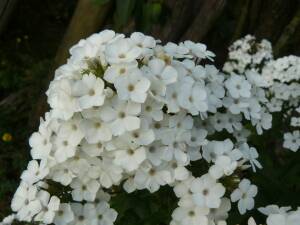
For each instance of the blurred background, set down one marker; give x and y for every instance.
(34, 40)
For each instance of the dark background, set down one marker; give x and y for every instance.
(35, 36)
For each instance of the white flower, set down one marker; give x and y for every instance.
(157, 153)
(133, 87)
(83, 214)
(49, 207)
(122, 51)
(146, 43)
(64, 147)
(151, 178)
(284, 219)
(25, 202)
(250, 154)
(244, 194)
(72, 129)
(122, 116)
(92, 149)
(172, 94)
(40, 142)
(213, 149)
(193, 97)
(61, 100)
(178, 170)
(104, 214)
(238, 86)
(165, 73)
(116, 71)
(221, 213)
(199, 50)
(8, 220)
(89, 91)
(295, 122)
(274, 209)
(292, 140)
(95, 130)
(62, 174)
(152, 109)
(223, 166)
(197, 137)
(35, 172)
(182, 188)
(207, 192)
(64, 214)
(235, 106)
(251, 221)
(129, 158)
(142, 136)
(177, 51)
(84, 189)
(193, 215)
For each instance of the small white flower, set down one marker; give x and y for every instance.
(40, 142)
(25, 202)
(146, 43)
(165, 73)
(35, 172)
(64, 214)
(292, 140)
(244, 194)
(238, 86)
(193, 97)
(122, 116)
(223, 166)
(250, 154)
(62, 174)
(89, 91)
(199, 50)
(151, 178)
(133, 87)
(84, 189)
(177, 51)
(83, 214)
(61, 100)
(104, 214)
(295, 121)
(152, 109)
(122, 51)
(49, 207)
(8, 220)
(207, 192)
(116, 71)
(95, 131)
(193, 215)
(129, 158)
(64, 147)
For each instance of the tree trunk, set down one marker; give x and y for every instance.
(87, 19)
(6, 9)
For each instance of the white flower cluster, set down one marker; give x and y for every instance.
(129, 111)
(282, 77)
(248, 54)
(285, 69)
(279, 215)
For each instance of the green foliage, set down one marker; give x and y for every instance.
(141, 13)
(144, 208)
